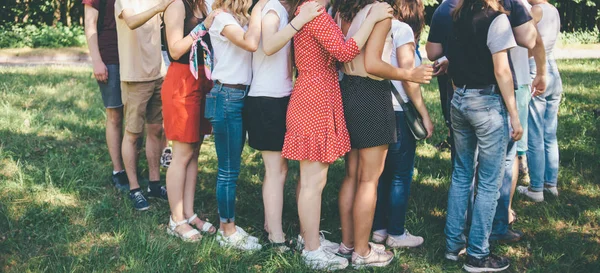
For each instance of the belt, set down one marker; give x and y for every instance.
(480, 86)
(234, 86)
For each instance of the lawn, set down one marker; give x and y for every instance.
(59, 213)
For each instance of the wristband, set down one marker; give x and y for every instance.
(293, 27)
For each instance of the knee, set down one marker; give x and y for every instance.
(131, 138)
(155, 130)
(114, 115)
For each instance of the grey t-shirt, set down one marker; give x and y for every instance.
(500, 36)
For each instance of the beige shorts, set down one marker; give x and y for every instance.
(142, 104)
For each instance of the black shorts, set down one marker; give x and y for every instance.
(264, 119)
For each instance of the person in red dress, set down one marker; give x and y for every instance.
(316, 129)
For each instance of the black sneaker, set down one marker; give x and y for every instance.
(120, 181)
(491, 263)
(160, 194)
(511, 236)
(139, 201)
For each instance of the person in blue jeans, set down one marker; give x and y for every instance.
(393, 190)
(234, 36)
(542, 153)
(479, 67)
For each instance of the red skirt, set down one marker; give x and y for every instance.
(183, 99)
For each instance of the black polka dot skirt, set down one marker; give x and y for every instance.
(368, 110)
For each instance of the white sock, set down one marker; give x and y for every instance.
(399, 237)
(116, 172)
(381, 232)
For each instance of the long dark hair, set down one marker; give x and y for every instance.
(349, 8)
(474, 4)
(411, 12)
(192, 5)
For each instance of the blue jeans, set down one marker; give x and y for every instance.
(394, 185)
(542, 153)
(500, 225)
(479, 121)
(522, 97)
(224, 111)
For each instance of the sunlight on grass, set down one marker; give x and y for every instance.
(92, 240)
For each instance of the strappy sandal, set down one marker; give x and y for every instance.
(514, 215)
(190, 236)
(280, 247)
(206, 227)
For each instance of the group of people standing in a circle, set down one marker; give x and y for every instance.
(231, 74)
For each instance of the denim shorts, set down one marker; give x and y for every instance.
(111, 90)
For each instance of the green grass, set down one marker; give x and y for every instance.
(58, 212)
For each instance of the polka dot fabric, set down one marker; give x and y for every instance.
(316, 128)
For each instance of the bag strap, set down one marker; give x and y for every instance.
(398, 96)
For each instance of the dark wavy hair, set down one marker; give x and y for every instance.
(349, 8)
(191, 5)
(411, 12)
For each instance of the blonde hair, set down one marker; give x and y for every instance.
(240, 9)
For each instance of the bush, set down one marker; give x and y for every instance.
(17, 36)
(580, 37)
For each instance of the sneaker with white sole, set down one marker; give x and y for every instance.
(379, 236)
(323, 259)
(377, 257)
(329, 245)
(454, 256)
(535, 196)
(551, 190)
(405, 240)
(238, 240)
(344, 251)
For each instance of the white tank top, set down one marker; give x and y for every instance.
(356, 67)
(549, 26)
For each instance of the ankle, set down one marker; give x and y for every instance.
(277, 237)
(362, 252)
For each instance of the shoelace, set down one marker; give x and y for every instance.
(138, 197)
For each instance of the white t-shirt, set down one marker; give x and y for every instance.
(519, 57)
(232, 64)
(401, 34)
(272, 74)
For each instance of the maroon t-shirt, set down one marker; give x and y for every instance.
(107, 35)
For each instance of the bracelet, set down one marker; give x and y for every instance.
(293, 27)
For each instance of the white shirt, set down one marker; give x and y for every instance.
(232, 64)
(272, 74)
(401, 34)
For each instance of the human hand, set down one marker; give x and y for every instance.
(517, 129)
(100, 71)
(538, 86)
(308, 12)
(421, 74)
(162, 6)
(211, 17)
(381, 11)
(428, 126)
(440, 67)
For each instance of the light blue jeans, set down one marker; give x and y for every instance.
(500, 225)
(479, 121)
(522, 97)
(224, 111)
(542, 153)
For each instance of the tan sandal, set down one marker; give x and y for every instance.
(206, 227)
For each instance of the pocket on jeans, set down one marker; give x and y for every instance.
(236, 94)
(483, 103)
(210, 109)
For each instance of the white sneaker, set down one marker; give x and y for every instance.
(322, 259)
(551, 190)
(406, 240)
(377, 257)
(239, 240)
(326, 244)
(535, 196)
(379, 236)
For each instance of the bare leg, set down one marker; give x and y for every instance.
(370, 166)
(275, 174)
(346, 199)
(153, 150)
(129, 150)
(114, 138)
(313, 178)
(191, 178)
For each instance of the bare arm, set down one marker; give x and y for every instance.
(274, 40)
(525, 35)
(247, 40)
(376, 66)
(91, 34)
(406, 60)
(539, 55)
(434, 51)
(378, 12)
(505, 83)
(177, 43)
(134, 21)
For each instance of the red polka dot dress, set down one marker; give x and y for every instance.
(316, 128)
